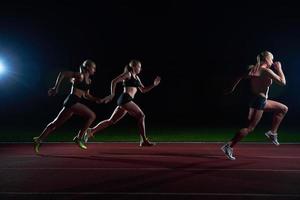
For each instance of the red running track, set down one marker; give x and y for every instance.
(165, 171)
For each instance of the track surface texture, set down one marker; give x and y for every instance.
(165, 171)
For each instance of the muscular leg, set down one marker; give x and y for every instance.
(88, 114)
(138, 114)
(279, 110)
(61, 118)
(118, 114)
(254, 118)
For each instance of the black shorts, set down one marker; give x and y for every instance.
(123, 99)
(257, 102)
(71, 100)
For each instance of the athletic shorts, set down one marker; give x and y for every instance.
(257, 102)
(71, 100)
(123, 99)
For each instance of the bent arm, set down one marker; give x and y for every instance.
(61, 76)
(235, 83)
(278, 78)
(115, 81)
(145, 89)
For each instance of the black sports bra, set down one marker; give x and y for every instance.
(132, 82)
(82, 85)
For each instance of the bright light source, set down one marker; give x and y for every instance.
(2, 68)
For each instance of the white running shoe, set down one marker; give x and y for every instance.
(228, 151)
(272, 137)
(86, 135)
(37, 144)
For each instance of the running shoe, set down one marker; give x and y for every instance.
(146, 143)
(228, 151)
(36, 144)
(79, 142)
(272, 137)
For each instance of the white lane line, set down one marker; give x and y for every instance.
(147, 169)
(154, 194)
(171, 155)
(171, 142)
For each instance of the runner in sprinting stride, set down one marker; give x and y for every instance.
(72, 105)
(261, 77)
(131, 84)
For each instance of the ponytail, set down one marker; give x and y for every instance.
(81, 68)
(258, 62)
(259, 58)
(85, 64)
(127, 68)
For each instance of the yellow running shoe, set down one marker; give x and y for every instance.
(79, 142)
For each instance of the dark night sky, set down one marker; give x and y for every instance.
(196, 47)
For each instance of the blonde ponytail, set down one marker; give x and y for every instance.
(259, 58)
(127, 69)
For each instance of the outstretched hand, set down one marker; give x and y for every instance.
(52, 92)
(108, 98)
(157, 81)
(99, 100)
(105, 99)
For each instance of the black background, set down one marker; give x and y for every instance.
(197, 48)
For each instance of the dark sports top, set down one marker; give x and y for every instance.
(81, 85)
(132, 82)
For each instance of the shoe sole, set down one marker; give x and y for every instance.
(153, 144)
(267, 135)
(81, 147)
(78, 144)
(223, 149)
